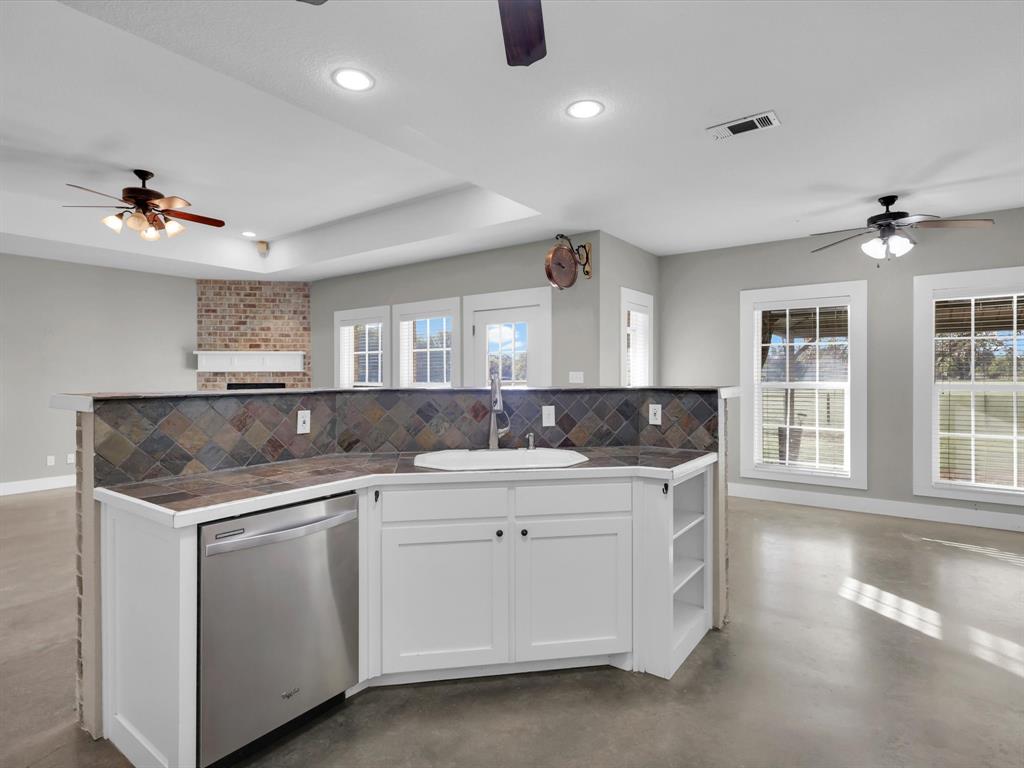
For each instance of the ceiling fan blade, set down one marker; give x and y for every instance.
(914, 219)
(522, 26)
(955, 224)
(836, 232)
(103, 194)
(313, 2)
(837, 242)
(123, 207)
(193, 217)
(171, 201)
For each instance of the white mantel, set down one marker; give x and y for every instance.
(250, 360)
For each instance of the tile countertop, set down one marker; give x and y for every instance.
(199, 498)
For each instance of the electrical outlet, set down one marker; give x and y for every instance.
(575, 377)
(302, 423)
(547, 415)
(71, 458)
(654, 414)
(51, 460)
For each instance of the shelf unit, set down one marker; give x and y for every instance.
(691, 579)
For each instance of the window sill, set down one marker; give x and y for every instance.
(966, 493)
(798, 476)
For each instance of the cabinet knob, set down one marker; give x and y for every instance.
(523, 532)
(500, 533)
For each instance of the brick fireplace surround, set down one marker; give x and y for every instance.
(252, 315)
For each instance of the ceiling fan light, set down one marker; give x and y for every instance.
(900, 245)
(875, 248)
(173, 228)
(150, 234)
(137, 221)
(115, 221)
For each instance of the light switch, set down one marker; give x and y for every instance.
(302, 423)
(575, 377)
(547, 415)
(654, 413)
(71, 458)
(51, 460)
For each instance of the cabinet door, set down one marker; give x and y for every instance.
(574, 588)
(444, 592)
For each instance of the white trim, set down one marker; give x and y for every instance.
(14, 487)
(250, 360)
(431, 308)
(1004, 521)
(523, 297)
(645, 302)
(64, 402)
(927, 288)
(382, 315)
(854, 291)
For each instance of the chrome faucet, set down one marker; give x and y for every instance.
(496, 407)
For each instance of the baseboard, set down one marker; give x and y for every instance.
(14, 487)
(1005, 521)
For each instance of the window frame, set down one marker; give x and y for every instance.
(752, 302)
(418, 310)
(540, 344)
(364, 315)
(628, 299)
(1000, 281)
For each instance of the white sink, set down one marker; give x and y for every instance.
(504, 458)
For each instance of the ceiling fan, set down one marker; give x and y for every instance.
(147, 211)
(522, 26)
(889, 228)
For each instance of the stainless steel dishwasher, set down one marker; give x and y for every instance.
(278, 618)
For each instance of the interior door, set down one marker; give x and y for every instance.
(445, 591)
(574, 594)
(514, 343)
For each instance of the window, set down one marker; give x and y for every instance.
(637, 353)
(427, 352)
(360, 355)
(804, 384)
(508, 333)
(969, 385)
(507, 347)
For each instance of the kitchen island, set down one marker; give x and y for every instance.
(461, 574)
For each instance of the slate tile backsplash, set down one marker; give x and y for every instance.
(148, 438)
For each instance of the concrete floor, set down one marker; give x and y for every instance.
(854, 641)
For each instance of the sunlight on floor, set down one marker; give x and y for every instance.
(996, 650)
(998, 554)
(906, 612)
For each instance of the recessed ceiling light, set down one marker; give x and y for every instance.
(585, 109)
(353, 79)
(248, 234)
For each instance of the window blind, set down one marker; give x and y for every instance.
(802, 387)
(361, 355)
(638, 348)
(425, 352)
(978, 391)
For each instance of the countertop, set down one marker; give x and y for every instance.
(199, 498)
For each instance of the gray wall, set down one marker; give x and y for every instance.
(574, 343)
(623, 265)
(73, 328)
(699, 297)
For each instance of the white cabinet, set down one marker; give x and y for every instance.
(573, 587)
(444, 595)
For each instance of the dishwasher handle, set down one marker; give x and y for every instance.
(233, 545)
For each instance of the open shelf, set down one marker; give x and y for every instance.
(684, 569)
(684, 521)
(685, 618)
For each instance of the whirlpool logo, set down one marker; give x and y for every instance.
(289, 694)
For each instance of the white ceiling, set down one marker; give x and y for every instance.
(231, 104)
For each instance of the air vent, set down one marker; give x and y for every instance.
(757, 122)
